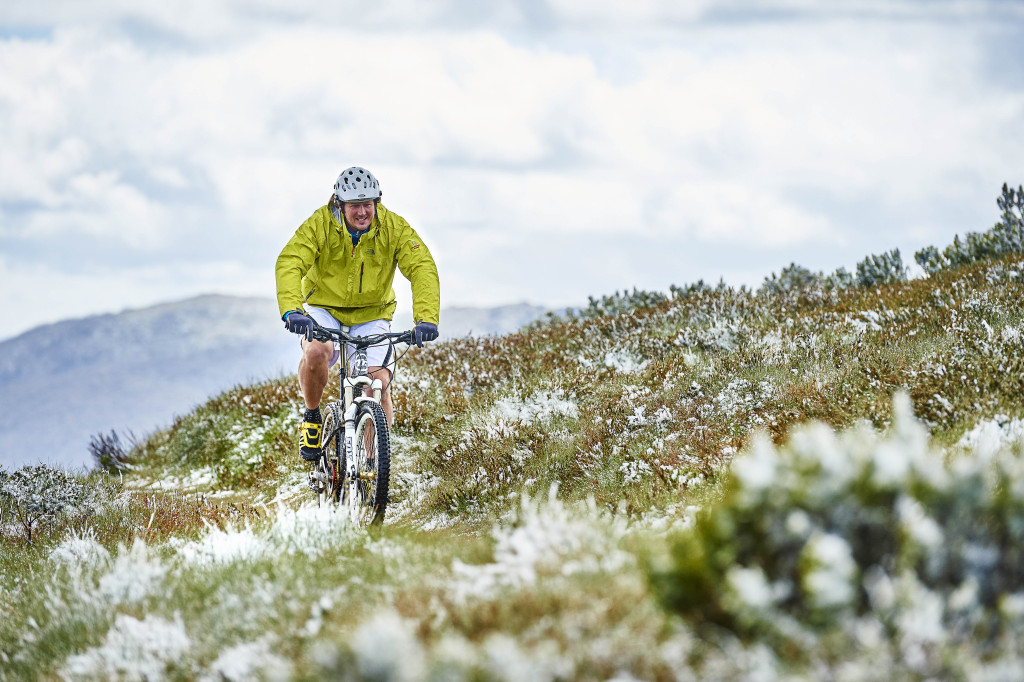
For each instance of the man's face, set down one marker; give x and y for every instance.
(359, 215)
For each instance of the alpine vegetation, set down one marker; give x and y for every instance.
(819, 479)
(34, 496)
(1006, 237)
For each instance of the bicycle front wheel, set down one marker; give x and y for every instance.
(373, 460)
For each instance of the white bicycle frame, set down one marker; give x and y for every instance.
(352, 387)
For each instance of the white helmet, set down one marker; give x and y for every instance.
(356, 184)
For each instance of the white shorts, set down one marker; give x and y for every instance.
(379, 355)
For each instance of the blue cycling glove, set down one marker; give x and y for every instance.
(298, 322)
(425, 331)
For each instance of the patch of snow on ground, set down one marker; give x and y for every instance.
(624, 362)
(200, 477)
(134, 650)
(133, 576)
(549, 538)
(400, 658)
(988, 437)
(308, 530)
(78, 551)
(248, 661)
(220, 546)
(538, 407)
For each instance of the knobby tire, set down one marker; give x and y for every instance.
(332, 463)
(372, 494)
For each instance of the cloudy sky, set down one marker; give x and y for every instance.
(546, 150)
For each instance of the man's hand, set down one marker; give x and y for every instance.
(425, 331)
(298, 322)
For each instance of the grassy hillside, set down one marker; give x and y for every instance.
(820, 479)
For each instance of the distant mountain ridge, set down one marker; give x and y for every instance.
(61, 383)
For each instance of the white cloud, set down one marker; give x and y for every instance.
(779, 140)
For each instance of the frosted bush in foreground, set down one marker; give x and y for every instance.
(863, 547)
(548, 538)
(133, 650)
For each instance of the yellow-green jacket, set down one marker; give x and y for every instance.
(320, 266)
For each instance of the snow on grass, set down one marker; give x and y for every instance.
(202, 477)
(293, 487)
(80, 550)
(547, 538)
(133, 650)
(248, 440)
(387, 648)
(624, 362)
(828, 580)
(248, 661)
(538, 407)
(408, 487)
(988, 437)
(308, 530)
(134, 576)
(220, 546)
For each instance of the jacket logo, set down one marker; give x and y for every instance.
(415, 245)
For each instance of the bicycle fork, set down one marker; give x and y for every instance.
(352, 384)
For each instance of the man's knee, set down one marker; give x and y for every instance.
(382, 373)
(317, 353)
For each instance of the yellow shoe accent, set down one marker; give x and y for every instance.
(311, 433)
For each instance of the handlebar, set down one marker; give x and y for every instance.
(318, 333)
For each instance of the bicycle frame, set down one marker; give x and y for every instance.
(351, 400)
(354, 379)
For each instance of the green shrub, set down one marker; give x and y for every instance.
(37, 494)
(829, 535)
(621, 303)
(1005, 237)
(886, 268)
(792, 278)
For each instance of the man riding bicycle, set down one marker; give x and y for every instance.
(338, 270)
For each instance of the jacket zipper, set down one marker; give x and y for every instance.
(361, 266)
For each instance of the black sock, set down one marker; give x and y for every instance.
(313, 416)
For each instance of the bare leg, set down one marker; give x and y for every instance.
(313, 371)
(385, 397)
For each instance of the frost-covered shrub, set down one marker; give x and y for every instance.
(134, 650)
(796, 278)
(930, 259)
(1006, 237)
(34, 495)
(684, 292)
(1012, 205)
(793, 277)
(882, 269)
(830, 535)
(840, 279)
(621, 303)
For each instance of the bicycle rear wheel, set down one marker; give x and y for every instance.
(330, 468)
(373, 460)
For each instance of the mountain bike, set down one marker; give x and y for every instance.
(354, 470)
